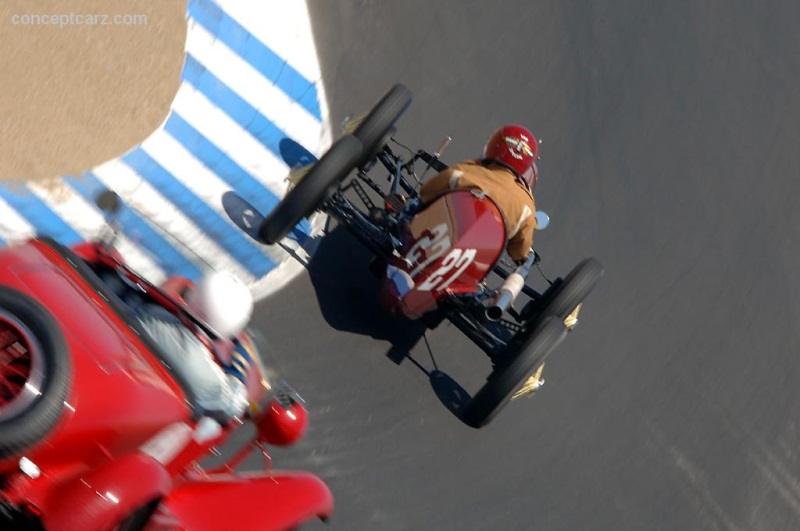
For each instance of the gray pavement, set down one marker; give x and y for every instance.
(670, 134)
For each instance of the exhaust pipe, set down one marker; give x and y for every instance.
(509, 290)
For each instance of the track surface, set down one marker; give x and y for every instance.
(670, 153)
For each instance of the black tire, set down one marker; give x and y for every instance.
(378, 125)
(310, 192)
(505, 379)
(139, 518)
(575, 287)
(26, 423)
(12, 518)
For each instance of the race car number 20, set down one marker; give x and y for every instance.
(458, 260)
(432, 247)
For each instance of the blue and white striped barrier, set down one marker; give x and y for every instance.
(250, 95)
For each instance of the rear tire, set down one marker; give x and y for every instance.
(375, 129)
(35, 371)
(505, 379)
(574, 289)
(309, 194)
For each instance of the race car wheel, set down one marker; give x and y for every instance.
(378, 125)
(506, 378)
(575, 287)
(35, 371)
(567, 295)
(310, 192)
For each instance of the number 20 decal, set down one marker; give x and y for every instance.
(457, 259)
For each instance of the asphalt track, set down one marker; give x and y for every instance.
(670, 153)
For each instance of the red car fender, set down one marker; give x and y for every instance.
(91, 251)
(280, 500)
(106, 495)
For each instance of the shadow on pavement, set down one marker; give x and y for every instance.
(242, 214)
(294, 155)
(248, 218)
(348, 295)
(449, 392)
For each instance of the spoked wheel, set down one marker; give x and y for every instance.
(506, 378)
(34, 371)
(377, 126)
(21, 366)
(309, 194)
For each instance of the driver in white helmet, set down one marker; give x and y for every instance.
(224, 302)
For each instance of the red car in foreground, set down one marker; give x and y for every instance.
(97, 433)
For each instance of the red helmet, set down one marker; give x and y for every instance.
(516, 148)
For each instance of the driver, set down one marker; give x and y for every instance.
(507, 173)
(223, 302)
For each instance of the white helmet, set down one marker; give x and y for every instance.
(223, 301)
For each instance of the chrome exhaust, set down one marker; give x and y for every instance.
(508, 292)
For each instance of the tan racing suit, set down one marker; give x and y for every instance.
(498, 182)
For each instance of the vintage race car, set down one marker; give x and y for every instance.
(97, 432)
(436, 260)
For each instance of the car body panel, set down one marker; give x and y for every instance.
(449, 248)
(127, 434)
(120, 394)
(244, 502)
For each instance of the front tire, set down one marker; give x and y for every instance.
(378, 125)
(35, 371)
(309, 194)
(506, 378)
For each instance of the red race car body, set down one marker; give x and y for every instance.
(96, 431)
(448, 249)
